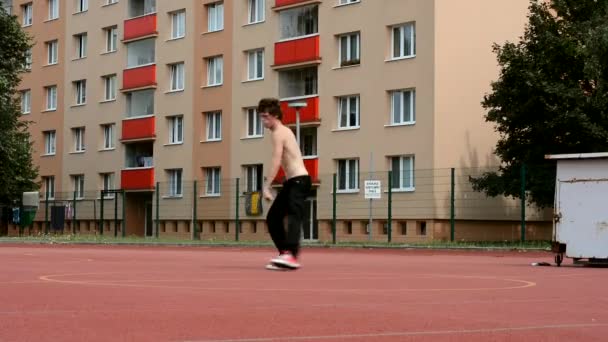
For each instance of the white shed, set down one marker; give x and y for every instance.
(580, 228)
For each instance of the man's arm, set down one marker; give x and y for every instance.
(275, 163)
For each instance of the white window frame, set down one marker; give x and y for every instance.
(28, 59)
(111, 34)
(348, 2)
(78, 185)
(350, 60)
(341, 114)
(108, 136)
(253, 173)
(403, 160)
(110, 2)
(215, 16)
(107, 183)
(52, 51)
(289, 23)
(109, 86)
(256, 11)
(50, 143)
(79, 139)
(177, 76)
(82, 6)
(213, 181)
(255, 65)
(28, 14)
(178, 24)
(175, 183)
(53, 9)
(215, 71)
(51, 97)
(255, 128)
(213, 126)
(80, 90)
(49, 182)
(176, 129)
(402, 120)
(348, 175)
(81, 45)
(26, 101)
(402, 53)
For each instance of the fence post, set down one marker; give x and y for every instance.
(523, 202)
(390, 206)
(101, 213)
(115, 214)
(74, 213)
(157, 223)
(334, 201)
(452, 204)
(46, 214)
(124, 214)
(194, 221)
(236, 218)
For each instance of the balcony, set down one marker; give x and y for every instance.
(137, 179)
(139, 77)
(312, 166)
(285, 3)
(297, 51)
(308, 114)
(140, 27)
(143, 128)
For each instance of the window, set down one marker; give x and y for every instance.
(215, 16)
(176, 129)
(78, 139)
(28, 59)
(175, 182)
(108, 136)
(308, 141)
(111, 34)
(26, 101)
(299, 82)
(81, 92)
(107, 184)
(140, 53)
(300, 21)
(49, 186)
(403, 109)
(178, 24)
(348, 112)
(349, 49)
(215, 66)
(109, 85)
(212, 181)
(138, 8)
(256, 11)
(348, 175)
(109, 2)
(254, 123)
(78, 185)
(177, 76)
(51, 97)
(28, 17)
(254, 177)
(255, 63)
(81, 45)
(53, 9)
(140, 103)
(52, 51)
(49, 143)
(346, 2)
(404, 41)
(82, 5)
(402, 168)
(214, 126)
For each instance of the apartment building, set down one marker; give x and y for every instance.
(145, 95)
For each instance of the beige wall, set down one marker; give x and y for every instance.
(96, 111)
(41, 75)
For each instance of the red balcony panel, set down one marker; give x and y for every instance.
(297, 51)
(310, 113)
(140, 27)
(139, 128)
(280, 3)
(137, 179)
(312, 166)
(139, 77)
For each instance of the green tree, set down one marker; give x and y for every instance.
(17, 172)
(551, 96)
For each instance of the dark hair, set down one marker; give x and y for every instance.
(270, 106)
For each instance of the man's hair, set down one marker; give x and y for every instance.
(270, 106)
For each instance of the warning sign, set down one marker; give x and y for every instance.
(373, 189)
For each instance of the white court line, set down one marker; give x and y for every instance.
(408, 333)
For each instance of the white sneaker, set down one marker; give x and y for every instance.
(273, 267)
(286, 260)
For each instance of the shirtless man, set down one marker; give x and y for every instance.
(290, 200)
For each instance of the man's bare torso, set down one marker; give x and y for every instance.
(291, 157)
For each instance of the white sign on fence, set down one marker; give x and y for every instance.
(373, 189)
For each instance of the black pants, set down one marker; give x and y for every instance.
(289, 202)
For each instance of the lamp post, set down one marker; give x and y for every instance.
(297, 106)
